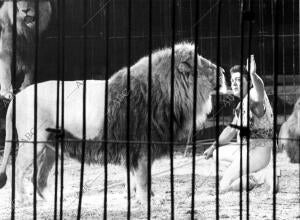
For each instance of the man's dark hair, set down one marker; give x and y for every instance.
(238, 69)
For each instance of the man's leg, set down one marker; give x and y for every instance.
(226, 155)
(259, 157)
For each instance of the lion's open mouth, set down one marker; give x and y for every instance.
(29, 19)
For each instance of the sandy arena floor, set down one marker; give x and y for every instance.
(288, 199)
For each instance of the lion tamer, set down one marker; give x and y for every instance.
(116, 115)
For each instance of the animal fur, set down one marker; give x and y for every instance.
(25, 41)
(289, 135)
(116, 115)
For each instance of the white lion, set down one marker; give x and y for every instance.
(116, 115)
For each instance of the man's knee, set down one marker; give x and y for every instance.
(222, 155)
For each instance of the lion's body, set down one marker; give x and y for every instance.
(116, 114)
(25, 38)
(289, 135)
(46, 115)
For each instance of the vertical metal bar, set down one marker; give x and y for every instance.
(36, 54)
(14, 71)
(294, 71)
(62, 73)
(261, 36)
(57, 119)
(60, 57)
(250, 11)
(276, 29)
(218, 106)
(172, 108)
(106, 107)
(128, 111)
(57, 139)
(283, 63)
(241, 112)
(196, 29)
(83, 142)
(149, 110)
(263, 43)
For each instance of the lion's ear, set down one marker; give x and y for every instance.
(184, 67)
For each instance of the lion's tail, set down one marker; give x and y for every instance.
(7, 148)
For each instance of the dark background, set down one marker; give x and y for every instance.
(116, 11)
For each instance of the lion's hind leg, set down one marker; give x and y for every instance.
(23, 162)
(45, 164)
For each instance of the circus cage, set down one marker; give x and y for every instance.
(94, 39)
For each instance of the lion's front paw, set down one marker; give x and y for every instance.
(46, 195)
(142, 196)
(23, 201)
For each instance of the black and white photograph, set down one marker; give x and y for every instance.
(149, 109)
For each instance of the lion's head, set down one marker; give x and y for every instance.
(26, 15)
(184, 68)
(206, 70)
(206, 80)
(184, 77)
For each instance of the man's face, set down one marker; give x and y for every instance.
(236, 84)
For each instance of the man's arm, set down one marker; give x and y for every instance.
(225, 137)
(258, 91)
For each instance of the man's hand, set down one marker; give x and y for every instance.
(252, 65)
(208, 153)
